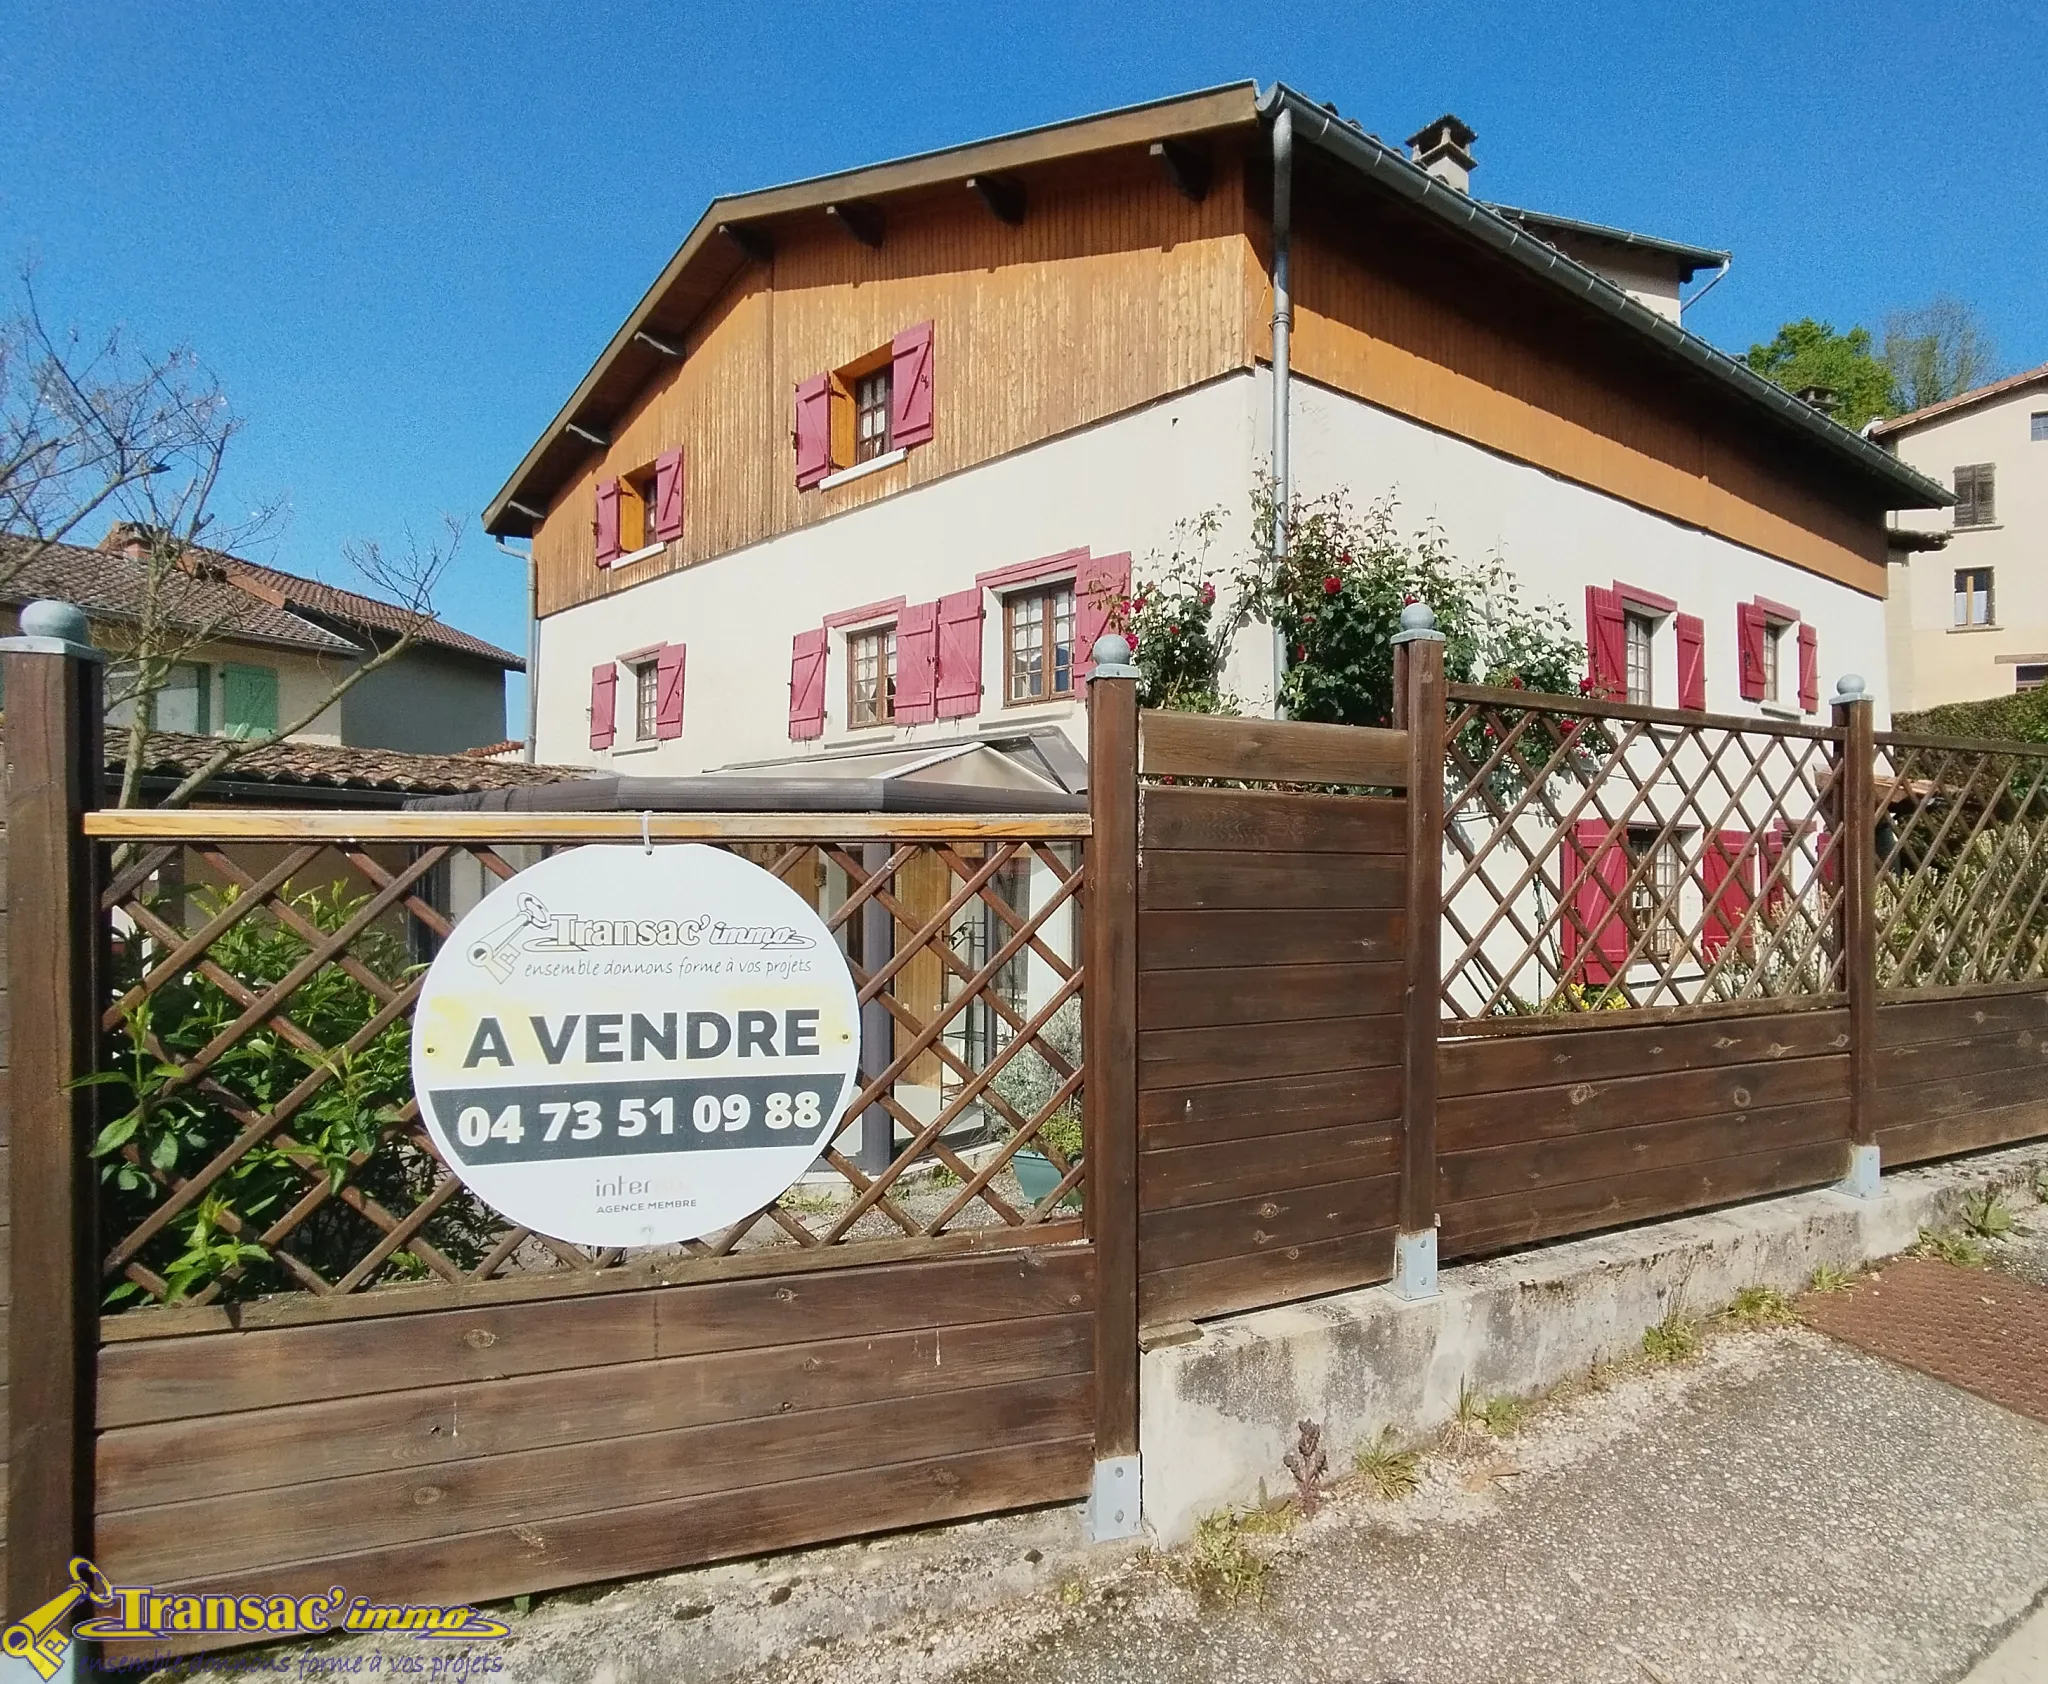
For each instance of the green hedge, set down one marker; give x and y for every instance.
(2021, 717)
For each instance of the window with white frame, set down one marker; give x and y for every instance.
(2030, 675)
(646, 699)
(1774, 665)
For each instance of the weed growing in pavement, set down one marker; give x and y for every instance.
(1827, 1278)
(1503, 1415)
(1950, 1247)
(1073, 1593)
(1987, 1216)
(1389, 1474)
(1308, 1461)
(1760, 1306)
(1674, 1339)
(2041, 1186)
(1220, 1567)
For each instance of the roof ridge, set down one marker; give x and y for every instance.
(1976, 394)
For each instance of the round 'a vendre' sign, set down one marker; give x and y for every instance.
(624, 1046)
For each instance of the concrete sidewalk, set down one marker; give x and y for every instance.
(1781, 1510)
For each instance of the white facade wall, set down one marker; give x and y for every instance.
(1936, 660)
(1124, 486)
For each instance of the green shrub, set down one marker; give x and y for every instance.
(345, 1133)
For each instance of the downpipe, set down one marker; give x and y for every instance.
(1283, 329)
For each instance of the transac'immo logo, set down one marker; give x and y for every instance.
(566, 932)
(141, 1613)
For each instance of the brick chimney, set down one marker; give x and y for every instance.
(1444, 149)
(125, 537)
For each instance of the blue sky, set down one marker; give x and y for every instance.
(401, 232)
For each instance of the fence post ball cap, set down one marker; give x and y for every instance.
(1418, 625)
(1112, 654)
(1849, 687)
(64, 621)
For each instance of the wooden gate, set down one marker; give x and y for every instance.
(1272, 975)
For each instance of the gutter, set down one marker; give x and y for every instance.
(1388, 168)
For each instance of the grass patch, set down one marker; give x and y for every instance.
(1827, 1278)
(1220, 1567)
(1950, 1247)
(1987, 1216)
(1674, 1339)
(1760, 1306)
(1388, 1473)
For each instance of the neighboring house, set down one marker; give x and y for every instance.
(1968, 616)
(851, 487)
(267, 646)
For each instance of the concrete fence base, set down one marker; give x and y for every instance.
(1219, 1408)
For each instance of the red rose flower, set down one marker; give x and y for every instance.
(1208, 593)
(1332, 585)
(1173, 631)
(1132, 639)
(1301, 651)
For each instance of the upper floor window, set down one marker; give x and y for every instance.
(1973, 596)
(181, 705)
(1639, 631)
(1974, 504)
(871, 415)
(1038, 637)
(871, 676)
(248, 701)
(2038, 426)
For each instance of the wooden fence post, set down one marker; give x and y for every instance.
(1856, 816)
(54, 768)
(1419, 709)
(1110, 1045)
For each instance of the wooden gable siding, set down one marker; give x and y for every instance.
(1388, 309)
(1116, 291)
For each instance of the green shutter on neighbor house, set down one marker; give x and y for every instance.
(249, 701)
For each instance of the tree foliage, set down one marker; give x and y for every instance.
(1937, 352)
(1811, 353)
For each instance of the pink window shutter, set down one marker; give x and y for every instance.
(1750, 632)
(1809, 670)
(604, 696)
(668, 690)
(1727, 886)
(1101, 583)
(813, 431)
(807, 684)
(668, 497)
(959, 687)
(910, 386)
(1606, 642)
(1595, 871)
(917, 663)
(1692, 660)
(607, 522)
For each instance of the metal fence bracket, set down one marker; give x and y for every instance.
(1414, 1266)
(1114, 1509)
(1862, 1181)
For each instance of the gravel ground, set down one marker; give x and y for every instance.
(1781, 1508)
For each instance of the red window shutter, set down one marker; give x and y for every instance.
(1606, 643)
(1595, 873)
(668, 690)
(959, 689)
(807, 684)
(607, 522)
(917, 663)
(668, 497)
(1692, 660)
(910, 386)
(604, 695)
(1809, 670)
(1727, 886)
(1750, 632)
(813, 431)
(1101, 582)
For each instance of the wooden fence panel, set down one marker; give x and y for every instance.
(1272, 926)
(1959, 1074)
(1544, 1135)
(462, 1455)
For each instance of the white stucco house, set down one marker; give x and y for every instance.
(841, 493)
(1968, 617)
